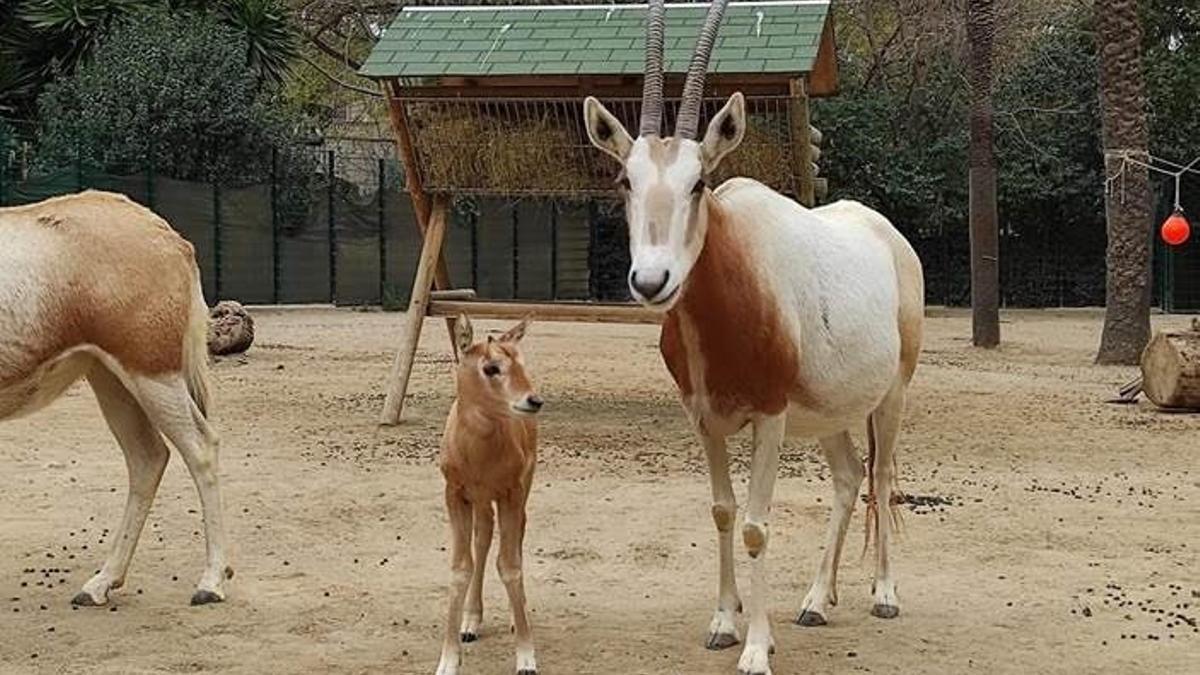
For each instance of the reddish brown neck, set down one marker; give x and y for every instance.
(749, 360)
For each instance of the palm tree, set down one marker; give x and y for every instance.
(1123, 116)
(985, 245)
(271, 42)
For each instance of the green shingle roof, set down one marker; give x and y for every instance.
(756, 37)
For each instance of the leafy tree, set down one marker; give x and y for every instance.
(44, 39)
(170, 88)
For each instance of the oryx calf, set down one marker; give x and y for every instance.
(489, 451)
(94, 285)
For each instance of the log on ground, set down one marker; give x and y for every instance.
(1171, 369)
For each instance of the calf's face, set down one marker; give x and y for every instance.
(491, 372)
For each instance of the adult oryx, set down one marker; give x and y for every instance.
(96, 286)
(792, 320)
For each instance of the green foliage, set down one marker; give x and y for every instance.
(41, 40)
(171, 88)
(896, 138)
(270, 43)
(902, 152)
(1171, 56)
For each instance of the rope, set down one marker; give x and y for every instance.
(1126, 157)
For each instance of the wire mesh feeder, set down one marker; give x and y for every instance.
(539, 147)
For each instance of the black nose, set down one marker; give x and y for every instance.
(535, 402)
(648, 284)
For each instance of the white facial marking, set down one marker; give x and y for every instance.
(663, 245)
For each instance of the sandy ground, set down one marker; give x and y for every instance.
(1070, 541)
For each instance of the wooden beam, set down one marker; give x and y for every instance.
(592, 312)
(802, 163)
(716, 86)
(455, 294)
(418, 304)
(416, 188)
(823, 80)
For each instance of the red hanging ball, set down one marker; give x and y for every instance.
(1175, 229)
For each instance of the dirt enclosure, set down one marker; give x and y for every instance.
(1052, 533)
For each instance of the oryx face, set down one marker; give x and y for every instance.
(663, 184)
(662, 180)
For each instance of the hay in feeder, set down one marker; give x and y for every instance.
(535, 155)
(470, 152)
(763, 156)
(450, 147)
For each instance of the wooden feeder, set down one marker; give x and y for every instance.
(489, 101)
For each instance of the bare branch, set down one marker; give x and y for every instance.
(341, 56)
(334, 79)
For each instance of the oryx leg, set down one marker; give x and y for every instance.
(511, 512)
(764, 466)
(171, 409)
(847, 472)
(145, 458)
(722, 631)
(473, 618)
(458, 511)
(887, 429)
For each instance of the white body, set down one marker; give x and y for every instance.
(827, 261)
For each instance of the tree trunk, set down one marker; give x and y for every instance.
(985, 243)
(1127, 206)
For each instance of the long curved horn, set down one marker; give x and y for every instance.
(693, 88)
(652, 87)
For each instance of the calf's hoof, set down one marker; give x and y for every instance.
(809, 618)
(883, 611)
(205, 598)
(719, 641)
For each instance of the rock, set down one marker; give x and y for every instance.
(230, 329)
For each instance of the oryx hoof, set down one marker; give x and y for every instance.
(883, 611)
(468, 636)
(810, 618)
(719, 641)
(205, 598)
(85, 599)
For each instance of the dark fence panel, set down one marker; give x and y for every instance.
(190, 208)
(246, 245)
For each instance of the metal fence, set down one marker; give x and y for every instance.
(347, 234)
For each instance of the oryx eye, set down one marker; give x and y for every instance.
(491, 370)
(698, 187)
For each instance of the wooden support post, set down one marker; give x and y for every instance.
(418, 305)
(416, 188)
(802, 161)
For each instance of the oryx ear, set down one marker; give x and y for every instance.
(515, 333)
(725, 132)
(605, 131)
(464, 333)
